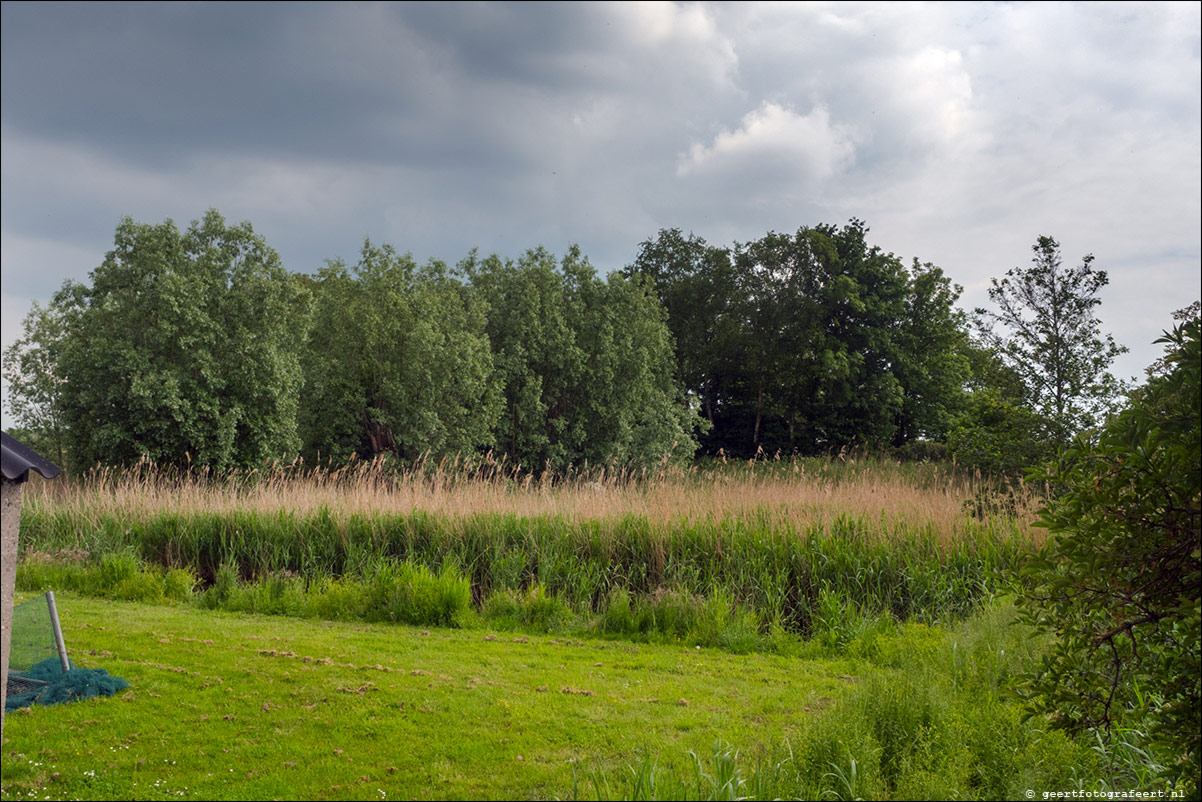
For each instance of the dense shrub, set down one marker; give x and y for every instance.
(1120, 582)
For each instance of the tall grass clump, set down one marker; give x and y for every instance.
(407, 593)
(119, 575)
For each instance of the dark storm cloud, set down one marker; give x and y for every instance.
(153, 83)
(959, 132)
(424, 84)
(543, 44)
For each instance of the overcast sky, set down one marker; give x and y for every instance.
(958, 132)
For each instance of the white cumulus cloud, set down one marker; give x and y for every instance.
(775, 140)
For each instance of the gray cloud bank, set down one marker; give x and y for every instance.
(958, 132)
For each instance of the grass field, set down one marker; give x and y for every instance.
(797, 492)
(235, 706)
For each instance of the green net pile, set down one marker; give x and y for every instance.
(60, 686)
(35, 671)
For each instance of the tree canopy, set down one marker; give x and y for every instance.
(586, 364)
(809, 342)
(1051, 338)
(398, 362)
(31, 370)
(182, 348)
(199, 347)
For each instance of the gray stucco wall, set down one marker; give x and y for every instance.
(10, 507)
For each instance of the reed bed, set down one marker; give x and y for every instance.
(797, 493)
(782, 542)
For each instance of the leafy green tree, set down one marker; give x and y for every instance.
(810, 341)
(540, 364)
(183, 348)
(773, 370)
(586, 364)
(695, 283)
(997, 436)
(1192, 312)
(929, 357)
(31, 371)
(1052, 339)
(995, 430)
(867, 297)
(1120, 581)
(398, 362)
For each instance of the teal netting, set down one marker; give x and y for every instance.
(59, 687)
(35, 672)
(32, 635)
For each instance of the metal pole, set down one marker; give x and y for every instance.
(58, 632)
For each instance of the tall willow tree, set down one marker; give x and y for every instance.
(398, 362)
(184, 348)
(586, 364)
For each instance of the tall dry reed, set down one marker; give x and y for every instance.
(797, 494)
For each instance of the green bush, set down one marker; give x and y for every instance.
(403, 592)
(143, 586)
(276, 593)
(998, 436)
(179, 584)
(544, 612)
(618, 618)
(534, 609)
(120, 575)
(841, 626)
(504, 610)
(673, 613)
(41, 573)
(117, 568)
(224, 586)
(1120, 581)
(335, 599)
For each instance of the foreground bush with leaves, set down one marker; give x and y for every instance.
(1119, 583)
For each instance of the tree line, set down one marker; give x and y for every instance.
(816, 341)
(199, 347)
(810, 342)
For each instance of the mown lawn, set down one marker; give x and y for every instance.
(229, 706)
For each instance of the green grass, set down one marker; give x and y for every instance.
(928, 717)
(792, 630)
(233, 706)
(240, 706)
(403, 592)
